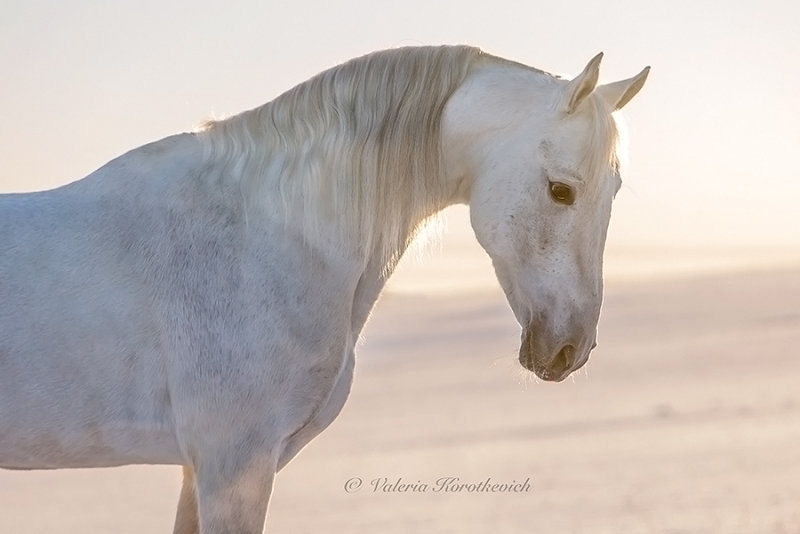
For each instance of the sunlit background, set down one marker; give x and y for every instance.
(688, 422)
(713, 179)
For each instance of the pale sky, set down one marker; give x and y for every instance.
(714, 134)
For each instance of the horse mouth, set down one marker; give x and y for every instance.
(555, 370)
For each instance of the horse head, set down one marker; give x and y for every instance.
(537, 159)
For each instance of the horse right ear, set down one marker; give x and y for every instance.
(618, 94)
(582, 86)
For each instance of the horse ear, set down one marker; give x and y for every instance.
(618, 94)
(582, 86)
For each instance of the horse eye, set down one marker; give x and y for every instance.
(562, 193)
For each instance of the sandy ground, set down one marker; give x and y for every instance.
(686, 421)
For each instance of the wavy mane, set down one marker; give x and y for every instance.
(357, 146)
(356, 150)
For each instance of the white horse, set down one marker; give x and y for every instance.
(197, 300)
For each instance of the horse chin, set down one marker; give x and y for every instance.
(541, 371)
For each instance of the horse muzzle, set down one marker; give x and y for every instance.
(551, 365)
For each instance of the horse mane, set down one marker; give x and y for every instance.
(356, 148)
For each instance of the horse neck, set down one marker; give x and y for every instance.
(463, 132)
(378, 266)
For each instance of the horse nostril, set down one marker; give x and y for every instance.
(564, 359)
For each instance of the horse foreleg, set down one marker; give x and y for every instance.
(233, 492)
(186, 520)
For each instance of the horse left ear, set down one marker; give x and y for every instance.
(582, 86)
(618, 94)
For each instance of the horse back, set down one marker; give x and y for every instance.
(82, 344)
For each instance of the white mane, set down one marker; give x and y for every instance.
(357, 147)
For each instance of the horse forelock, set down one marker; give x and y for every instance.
(600, 153)
(358, 146)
